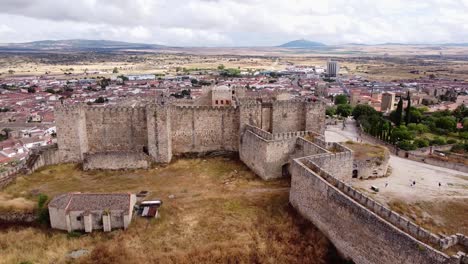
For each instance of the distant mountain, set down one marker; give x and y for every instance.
(456, 44)
(302, 44)
(76, 45)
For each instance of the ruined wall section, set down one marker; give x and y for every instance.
(200, 129)
(114, 129)
(71, 133)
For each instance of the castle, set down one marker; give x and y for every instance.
(132, 137)
(274, 139)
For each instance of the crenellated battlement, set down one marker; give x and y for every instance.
(205, 108)
(371, 224)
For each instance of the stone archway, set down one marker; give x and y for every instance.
(355, 174)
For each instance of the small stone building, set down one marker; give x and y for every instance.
(91, 211)
(370, 161)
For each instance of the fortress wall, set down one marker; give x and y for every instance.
(116, 161)
(288, 116)
(266, 118)
(356, 231)
(306, 148)
(8, 176)
(203, 129)
(315, 117)
(340, 165)
(48, 155)
(275, 150)
(159, 134)
(116, 129)
(253, 152)
(250, 113)
(278, 155)
(71, 133)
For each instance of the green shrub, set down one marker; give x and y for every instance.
(406, 145)
(43, 211)
(460, 148)
(73, 234)
(421, 142)
(452, 141)
(438, 141)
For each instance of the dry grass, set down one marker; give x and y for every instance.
(364, 151)
(17, 204)
(221, 213)
(445, 216)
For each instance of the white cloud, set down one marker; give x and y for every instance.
(236, 22)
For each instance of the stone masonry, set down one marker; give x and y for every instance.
(273, 139)
(161, 131)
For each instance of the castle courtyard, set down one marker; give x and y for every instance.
(215, 210)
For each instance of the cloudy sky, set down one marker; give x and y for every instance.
(236, 22)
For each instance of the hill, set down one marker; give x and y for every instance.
(76, 45)
(302, 44)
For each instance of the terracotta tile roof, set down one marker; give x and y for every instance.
(92, 201)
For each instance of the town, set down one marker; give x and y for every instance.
(28, 102)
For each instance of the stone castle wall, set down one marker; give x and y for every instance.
(116, 160)
(164, 131)
(116, 129)
(198, 129)
(269, 155)
(359, 227)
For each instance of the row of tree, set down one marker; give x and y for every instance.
(405, 127)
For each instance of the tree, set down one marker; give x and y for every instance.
(408, 110)
(461, 112)
(406, 145)
(415, 115)
(341, 99)
(221, 67)
(401, 133)
(421, 142)
(448, 123)
(344, 110)
(330, 111)
(399, 113)
(115, 70)
(31, 90)
(363, 109)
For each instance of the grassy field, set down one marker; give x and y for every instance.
(221, 213)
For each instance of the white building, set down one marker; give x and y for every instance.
(333, 68)
(221, 96)
(88, 212)
(141, 77)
